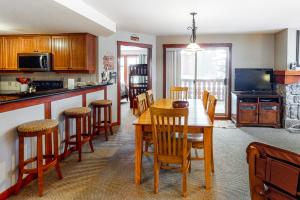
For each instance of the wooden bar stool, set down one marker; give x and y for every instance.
(83, 135)
(38, 129)
(97, 122)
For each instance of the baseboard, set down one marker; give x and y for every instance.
(10, 191)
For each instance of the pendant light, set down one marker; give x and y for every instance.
(193, 46)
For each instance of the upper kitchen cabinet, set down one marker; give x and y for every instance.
(34, 44)
(2, 53)
(60, 53)
(11, 48)
(74, 53)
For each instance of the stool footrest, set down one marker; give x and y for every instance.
(45, 167)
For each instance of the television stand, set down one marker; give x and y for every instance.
(256, 109)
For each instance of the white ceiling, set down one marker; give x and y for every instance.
(52, 16)
(169, 17)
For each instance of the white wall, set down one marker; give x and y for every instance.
(108, 45)
(248, 50)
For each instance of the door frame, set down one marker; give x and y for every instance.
(149, 62)
(227, 115)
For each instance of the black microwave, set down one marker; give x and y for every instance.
(35, 62)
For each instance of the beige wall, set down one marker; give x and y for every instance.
(248, 50)
(281, 52)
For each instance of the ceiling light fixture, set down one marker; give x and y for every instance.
(193, 46)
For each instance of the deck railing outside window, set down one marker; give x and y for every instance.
(215, 87)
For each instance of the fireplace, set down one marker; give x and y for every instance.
(288, 85)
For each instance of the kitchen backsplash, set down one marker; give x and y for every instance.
(51, 76)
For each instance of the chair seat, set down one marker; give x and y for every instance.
(77, 111)
(196, 140)
(37, 126)
(102, 102)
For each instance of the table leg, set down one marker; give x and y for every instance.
(207, 156)
(138, 153)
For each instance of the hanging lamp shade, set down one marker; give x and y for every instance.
(193, 46)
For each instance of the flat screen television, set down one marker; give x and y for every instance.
(253, 79)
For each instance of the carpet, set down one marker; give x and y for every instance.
(108, 173)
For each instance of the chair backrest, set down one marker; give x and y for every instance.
(205, 98)
(142, 104)
(169, 128)
(179, 92)
(150, 98)
(273, 173)
(212, 102)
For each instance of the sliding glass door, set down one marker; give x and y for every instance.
(207, 69)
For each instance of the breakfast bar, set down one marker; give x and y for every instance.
(21, 108)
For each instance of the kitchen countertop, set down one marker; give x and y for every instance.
(12, 96)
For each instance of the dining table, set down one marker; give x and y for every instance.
(198, 122)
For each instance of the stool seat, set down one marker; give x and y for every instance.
(37, 126)
(77, 111)
(102, 102)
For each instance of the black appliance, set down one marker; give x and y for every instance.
(34, 62)
(254, 79)
(48, 85)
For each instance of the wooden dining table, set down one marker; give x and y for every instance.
(198, 122)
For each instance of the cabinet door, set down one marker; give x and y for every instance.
(43, 44)
(32, 44)
(78, 52)
(248, 113)
(28, 44)
(60, 52)
(13, 47)
(269, 113)
(2, 54)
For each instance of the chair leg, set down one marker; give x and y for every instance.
(184, 190)
(156, 175)
(105, 122)
(212, 161)
(110, 120)
(21, 164)
(90, 134)
(99, 120)
(78, 137)
(94, 121)
(56, 156)
(40, 165)
(67, 137)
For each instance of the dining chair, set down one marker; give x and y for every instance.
(197, 140)
(150, 98)
(142, 106)
(179, 93)
(205, 98)
(169, 127)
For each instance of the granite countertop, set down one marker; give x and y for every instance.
(14, 96)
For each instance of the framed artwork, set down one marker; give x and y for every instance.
(108, 62)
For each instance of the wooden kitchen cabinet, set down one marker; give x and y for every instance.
(31, 44)
(71, 52)
(2, 53)
(12, 46)
(77, 52)
(74, 53)
(60, 53)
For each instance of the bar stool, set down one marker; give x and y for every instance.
(38, 129)
(97, 122)
(80, 114)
